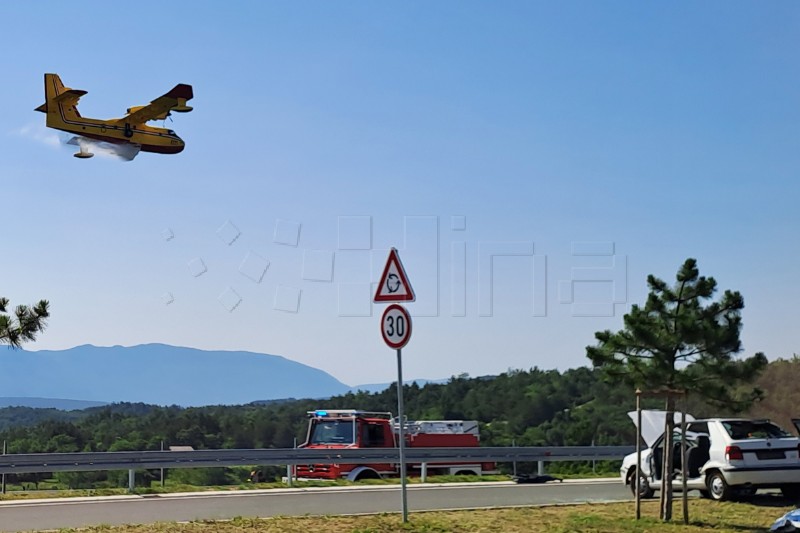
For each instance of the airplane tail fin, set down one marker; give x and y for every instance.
(53, 86)
(59, 97)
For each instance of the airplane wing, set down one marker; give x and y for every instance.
(158, 109)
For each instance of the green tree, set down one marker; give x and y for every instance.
(681, 340)
(24, 325)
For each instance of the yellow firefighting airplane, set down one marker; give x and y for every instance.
(130, 133)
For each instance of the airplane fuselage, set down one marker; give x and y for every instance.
(151, 139)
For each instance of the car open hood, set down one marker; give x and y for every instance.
(653, 423)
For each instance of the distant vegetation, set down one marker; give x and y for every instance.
(527, 408)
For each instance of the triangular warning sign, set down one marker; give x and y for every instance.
(394, 285)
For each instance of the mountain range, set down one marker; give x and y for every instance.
(158, 374)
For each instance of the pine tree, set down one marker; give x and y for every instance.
(681, 341)
(26, 323)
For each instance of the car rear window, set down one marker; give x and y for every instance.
(753, 429)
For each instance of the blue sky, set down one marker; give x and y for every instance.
(324, 133)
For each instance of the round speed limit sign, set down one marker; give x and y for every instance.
(396, 326)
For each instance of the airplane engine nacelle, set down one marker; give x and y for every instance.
(182, 107)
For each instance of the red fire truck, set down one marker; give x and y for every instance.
(363, 429)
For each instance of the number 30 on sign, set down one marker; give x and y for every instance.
(396, 326)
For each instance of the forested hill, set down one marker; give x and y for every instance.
(526, 408)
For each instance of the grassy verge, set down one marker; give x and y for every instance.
(596, 518)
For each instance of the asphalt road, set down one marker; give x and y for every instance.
(77, 512)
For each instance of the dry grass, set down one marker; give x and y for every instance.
(595, 518)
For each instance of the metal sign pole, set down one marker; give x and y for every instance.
(402, 434)
(396, 330)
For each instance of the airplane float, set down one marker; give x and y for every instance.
(127, 135)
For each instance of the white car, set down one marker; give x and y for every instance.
(725, 457)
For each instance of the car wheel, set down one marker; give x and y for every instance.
(645, 491)
(705, 494)
(791, 492)
(718, 488)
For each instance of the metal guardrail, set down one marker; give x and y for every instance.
(93, 461)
